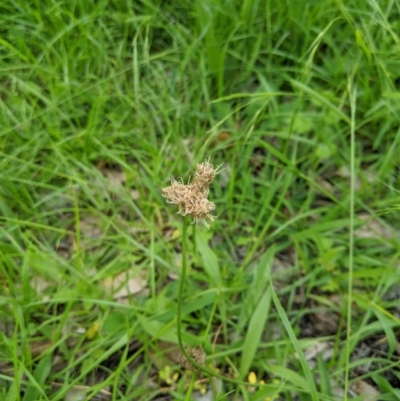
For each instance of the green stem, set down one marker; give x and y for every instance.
(191, 386)
(181, 285)
(179, 314)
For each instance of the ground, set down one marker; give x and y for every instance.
(294, 289)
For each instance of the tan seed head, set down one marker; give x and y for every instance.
(192, 199)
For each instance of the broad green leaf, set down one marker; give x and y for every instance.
(254, 332)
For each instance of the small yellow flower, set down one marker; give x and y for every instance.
(252, 378)
(166, 375)
(93, 330)
(202, 387)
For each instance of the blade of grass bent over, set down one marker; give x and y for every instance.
(285, 321)
(254, 332)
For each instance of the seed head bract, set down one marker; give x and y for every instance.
(192, 198)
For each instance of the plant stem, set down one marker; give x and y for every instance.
(179, 314)
(191, 386)
(181, 285)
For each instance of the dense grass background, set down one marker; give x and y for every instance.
(102, 102)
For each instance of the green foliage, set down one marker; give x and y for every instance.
(102, 102)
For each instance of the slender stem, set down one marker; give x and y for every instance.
(191, 386)
(181, 285)
(179, 314)
(353, 99)
(194, 240)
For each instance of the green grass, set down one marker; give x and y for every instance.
(298, 99)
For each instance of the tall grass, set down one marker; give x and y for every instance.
(101, 102)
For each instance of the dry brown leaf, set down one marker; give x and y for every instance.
(39, 347)
(325, 184)
(345, 172)
(125, 284)
(398, 347)
(64, 248)
(90, 227)
(282, 269)
(326, 321)
(36, 348)
(78, 393)
(373, 228)
(320, 347)
(135, 194)
(224, 136)
(116, 178)
(165, 354)
(177, 262)
(39, 284)
(137, 230)
(91, 232)
(363, 388)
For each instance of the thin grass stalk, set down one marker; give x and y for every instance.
(181, 285)
(199, 367)
(191, 386)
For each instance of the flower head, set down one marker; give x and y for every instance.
(192, 199)
(197, 354)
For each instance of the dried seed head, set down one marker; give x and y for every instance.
(177, 193)
(192, 198)
(204, 176)
(197, 354)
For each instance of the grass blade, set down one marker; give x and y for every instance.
(254, 332)
(311, 388)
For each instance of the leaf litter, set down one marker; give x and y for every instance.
(125, 284)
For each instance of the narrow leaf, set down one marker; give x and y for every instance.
(254, 332)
